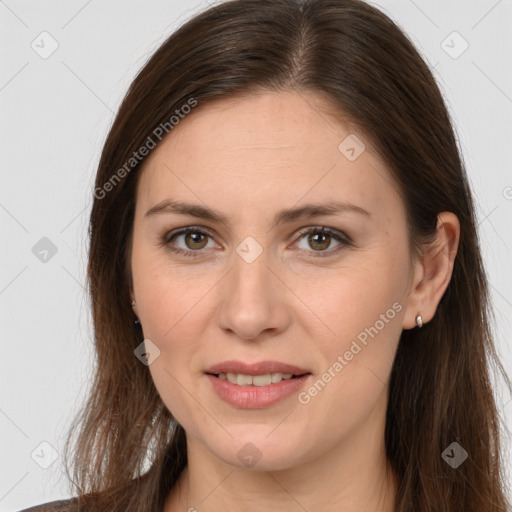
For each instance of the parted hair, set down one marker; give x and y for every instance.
(125, 450)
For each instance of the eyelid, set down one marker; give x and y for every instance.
(342, 238)
(166, 239)
(324, 229)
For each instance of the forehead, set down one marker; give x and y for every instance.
(265, 148)
(262, 120)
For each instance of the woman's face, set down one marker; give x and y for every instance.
(260, 286)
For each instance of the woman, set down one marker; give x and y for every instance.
(289, 302)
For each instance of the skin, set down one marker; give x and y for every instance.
(248, 158)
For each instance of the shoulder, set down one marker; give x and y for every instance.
(69, 505)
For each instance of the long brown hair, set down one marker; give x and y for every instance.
(129, 450)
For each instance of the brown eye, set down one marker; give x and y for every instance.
(195, 240)
(319, 241)
(191, 241)
(187, 241)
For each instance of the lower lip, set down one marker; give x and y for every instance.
(256, 397)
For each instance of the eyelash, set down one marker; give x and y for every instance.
(344, 240)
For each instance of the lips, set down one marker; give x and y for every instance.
(270, 382)
(255, 397)
(260, 368)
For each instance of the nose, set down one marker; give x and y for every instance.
(253, 300)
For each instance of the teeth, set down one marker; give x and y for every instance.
(243, 380)
(262, 380)
(254, 380)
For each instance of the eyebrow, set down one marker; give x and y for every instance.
(286, 215)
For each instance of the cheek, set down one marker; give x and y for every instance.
(168, 296)
(172, 312)
(171, 305)
(356, 360)
(364, 327)
(174, 309)
(361, 309)
(364, 295)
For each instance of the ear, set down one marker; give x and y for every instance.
(433, 271)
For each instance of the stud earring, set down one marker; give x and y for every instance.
(419, 321)
(136, 321)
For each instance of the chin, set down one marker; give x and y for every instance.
(261, 452)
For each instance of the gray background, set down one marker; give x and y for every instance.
(55, 113)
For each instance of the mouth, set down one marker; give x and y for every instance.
(263, 373)
(266, 379)
(257, 385)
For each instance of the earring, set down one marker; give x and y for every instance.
(419, 320)
(136, 321)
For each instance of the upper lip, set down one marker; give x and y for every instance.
(260, 368)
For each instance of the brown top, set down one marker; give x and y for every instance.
(69, 505)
